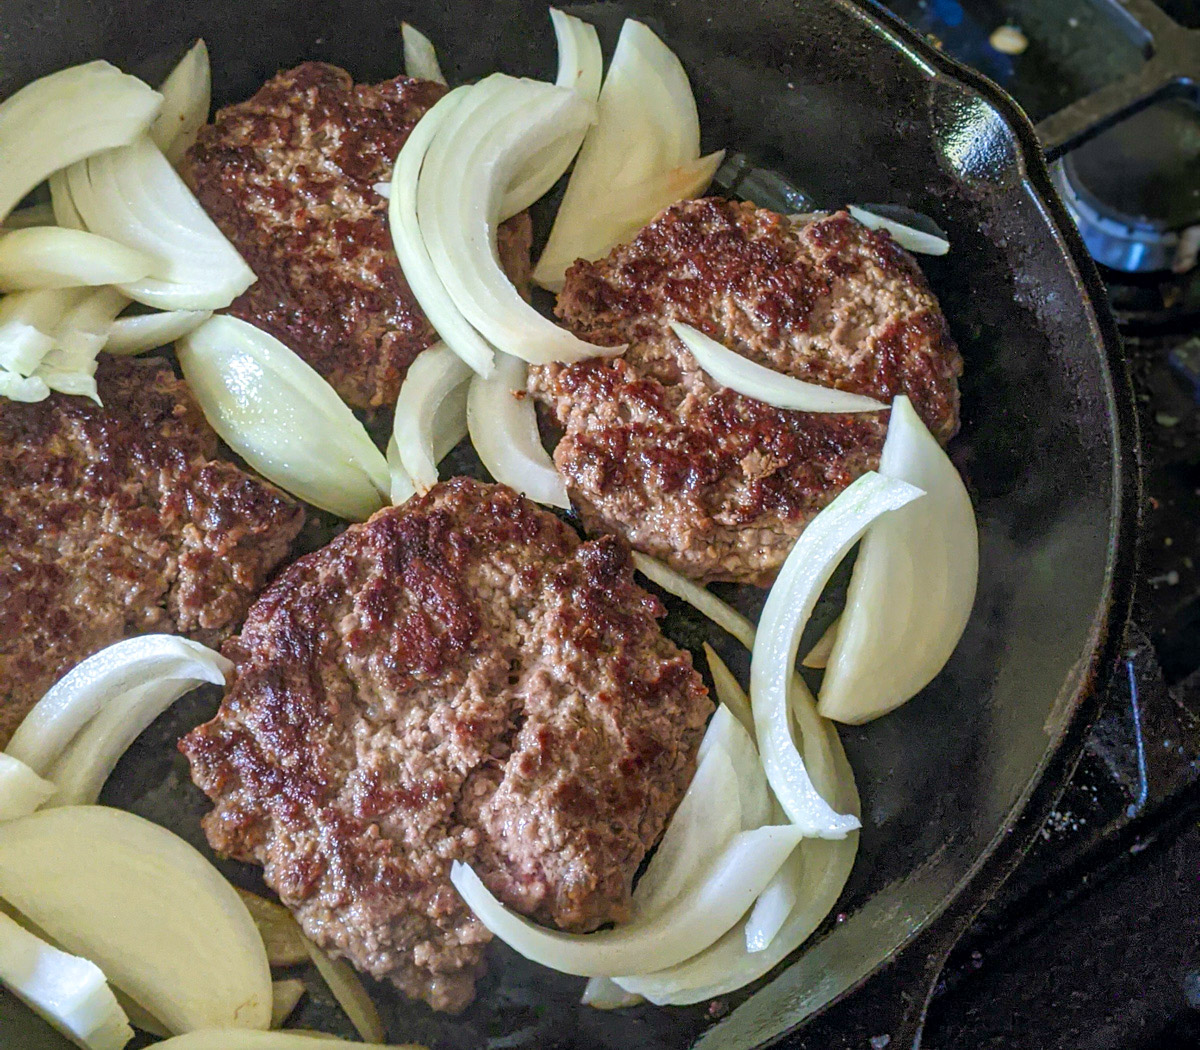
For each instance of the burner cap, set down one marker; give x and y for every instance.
(1134, 189)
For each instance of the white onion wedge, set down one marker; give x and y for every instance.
(818, 551)
(420, 57)
(68, 992)
(21, 789)
(930, 549)
(32, 216)
(729, 690)
(141, 332)
(64, 117)
(818, 656)
(907, 237)
(21, 388)
(134, 196)
(471, 162)
(448, 321)
(282, 417)
(187, 96)
(580, 65)
(54, 257)
(449, 428)
(242, 1039)
(348, 990)
(502, 422)
(146, 907)
(70, 365)
(74, 700)
(285, 997)
(603, 993)
(27, 323)
(702, 600)
(751, 379)
(686, 926)
(431, 378)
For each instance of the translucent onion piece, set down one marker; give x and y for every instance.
(818, 655)
(449, 323)
(69, 992)
(22, 347)
(751, 379)
(141, 332)
(29, 217)
(21, 789)
(502, 422)
(700, 599)
(774, 904)
(420, 58)
(53, 257)
(83, 692)
(134, 196)
(64, 117)
(66, 214)
(285, 996)
(143, 905)
(580, 65)
(603, 993)
(348, 990)
(908, 238)
(754, 797)
(686, 926)
(19, 388)
(70, 365)
(279, 930)
(789, 604)
(729, 690)
(470, 164)
(449, 428)
(27, 323)
(282, 417)
(929, 549)
(824, 867)
(241, 1039)
(187, 95)
(431, 378)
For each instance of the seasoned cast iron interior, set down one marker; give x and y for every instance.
(818, 91)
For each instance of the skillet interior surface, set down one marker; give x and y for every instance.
(823, 93)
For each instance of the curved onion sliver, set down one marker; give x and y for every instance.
(134, 196)
(431, 379)
(282, 417)
(55, 257)
(278, 928)
(907, 237)
(187, 95)
(70, 365)
(789, 604)
(349, 992)
(502, 422)
(23, 388)
(285, 997)
(420, 57)
(818, 656)
(64, 117)
(21, 789)
(27, 323)
(729, 690)
(603, 993)
(141, 332)
(146, 907)
(930, 548)
(472, 160)
(69, 992)
(66, 214)
(774, 905)
(701, 599)
(751, 379)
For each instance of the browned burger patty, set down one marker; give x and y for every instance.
(117, 521)
(289, 177)
(458, 678)
(716, 484)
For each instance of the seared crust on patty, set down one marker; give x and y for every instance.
(117, 521)
(458, 678)
(716, 484)
(289, 177)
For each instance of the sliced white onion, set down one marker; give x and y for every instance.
(141, 332)
(27, 323)
(431, 378)
(242, 1039)
(285, 997)
(913, 584)
(70, 365)
(580, 65)
(908, 238)
(282, 417)
(502, 422)
(774, 904)
(427, 288)
(64, 117)
(54, 257)
(29, 217)
(134, 196)
(449, 428)
(83, 692)
(278, 928)
(807, 569)
(420, 58)
(702, 600)
(754, 797)
(818, 655)
(471, 162)
(686, 926)
(68, 992)
(603, 993)
(348, 990)
(751, 379)
(729, 690)
(21, 388)
(647, 125)
(66, 214)
(21, 789)
(187, 95)
(143, 905)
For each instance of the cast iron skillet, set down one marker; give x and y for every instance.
(852, 107)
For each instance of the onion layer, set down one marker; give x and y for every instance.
(64, 117)
(27, 323)
(285, 996)
(430, 380)
(187, 95)
(70, 365)
(929, 548)
(21, 789)
(907, 237)
(729, 691)
(21, 388)
(279, 930)
(818, 655)
(420, 57)
(502, 422)
(54, 257)
(283, 418)
(603, 993)
(146, 907)
(747, 377)
(789, 604)
(348, 990)
(702, 600)
(141, 332)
